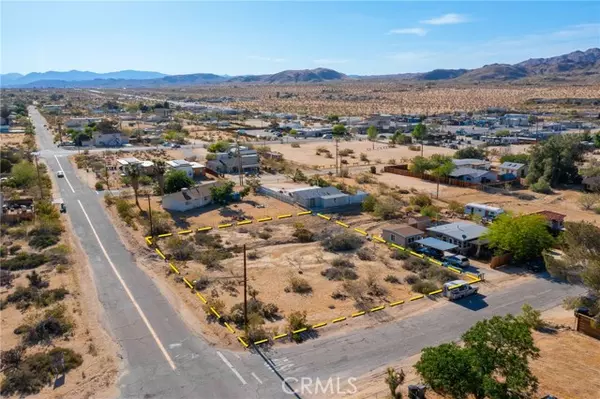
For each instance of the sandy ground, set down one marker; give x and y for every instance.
(566, 358)
(306, 154)
(11, 139)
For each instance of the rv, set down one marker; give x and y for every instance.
(485, 211)
(458, 289)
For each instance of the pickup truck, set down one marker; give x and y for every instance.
(458, 289)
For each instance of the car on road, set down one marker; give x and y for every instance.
(60, 173)
(176, 146)
(327, 136)
(457, 289)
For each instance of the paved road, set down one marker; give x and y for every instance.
(163, 358)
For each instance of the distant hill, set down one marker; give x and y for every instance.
(293, 76)
(75, 76)
(576, 66)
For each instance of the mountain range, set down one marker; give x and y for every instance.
(572, 67)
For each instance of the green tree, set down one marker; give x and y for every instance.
(160, 168)
(222, 193)
(555, 160)
(23, 174)
(419, 133)
(175, 180)
(293, 132)
(339, 130)
(372, 134)
(333, 118)
(525, 236)
(494, 362)
(421, 165)
(517, 158)
(134, 173)
(580, 262)
(502, 133)
(369, 203)
(219, 146)
(470, 153)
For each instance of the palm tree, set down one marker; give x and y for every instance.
(133, 171)
(160, 168)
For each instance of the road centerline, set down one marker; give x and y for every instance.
(237, 374)
(129, 294)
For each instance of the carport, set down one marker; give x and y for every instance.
(434, 243)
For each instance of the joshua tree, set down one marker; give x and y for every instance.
(133, 171)
(394, 379)
(160, 167)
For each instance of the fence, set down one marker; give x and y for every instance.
(586, 325)
(402, 170)
(500, 260)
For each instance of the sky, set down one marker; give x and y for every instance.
(239, 38)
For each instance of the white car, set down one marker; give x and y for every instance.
(60, 173)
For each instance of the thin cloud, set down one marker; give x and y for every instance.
(408, 31)
(330, 61)
(447, 19)
(267, 59)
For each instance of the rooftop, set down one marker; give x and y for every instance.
(511, 165)
(404, 230)
(468, 171)
(434, 243)
(549, 215)
(469, 161)
(178, 162)
(462, 231)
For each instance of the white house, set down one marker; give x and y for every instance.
(512, 120)
(517, 169)
(472, 163)
(313, 197)
(189, 198)
(229, 162)
(180, 164)
(80, 123)
(461, 234)
(113, 139)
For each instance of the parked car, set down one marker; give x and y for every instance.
(457, 289)
(176, 146)
(60, 173)
(457, 261)
(432, 253)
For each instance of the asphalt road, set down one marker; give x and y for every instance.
(163, 358)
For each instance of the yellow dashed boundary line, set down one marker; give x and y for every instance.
(338, 319)
(160, 254)
(323, 216)
(435, 292)
(174, 268)
(148, 240)
(199, 295)
(243, 342)
(243, 222)
(265, 219)
(414, 298)
(165, 235)
(358, 314)
(377, 238)
(304, 213)
(319, 325)
(289, 215)
(280, 336)
(454, 270)
(224, 226)
(215, 312)
(184, 232)
(262, 341)
(342, 224)
(359, 231)
(300, 330)
(185, 280)
(231, 330)
(396, 303)
(205, 228)
(378, 308)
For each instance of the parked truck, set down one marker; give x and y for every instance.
(457, 289)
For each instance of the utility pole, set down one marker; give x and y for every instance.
(39, 179)
(245, 294)
(106, 174)
(337, 171)
(239, 154)
(150, 215)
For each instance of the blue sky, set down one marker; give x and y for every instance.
(265, 37)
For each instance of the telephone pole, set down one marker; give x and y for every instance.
(239, 154)
(337, 171)
(245, 294)
(150, 215)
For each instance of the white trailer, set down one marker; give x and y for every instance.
(485, 211)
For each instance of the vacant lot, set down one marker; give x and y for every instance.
(307, 153)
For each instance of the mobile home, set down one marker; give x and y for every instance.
(485, 211)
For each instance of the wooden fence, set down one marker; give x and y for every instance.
(586, 325)
(500, 260)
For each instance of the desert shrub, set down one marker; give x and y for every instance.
(295, 145)
(253, 255)
(398, 255)
(43, 241)
(363, 157)
(36, 280)
(212, 258)
(57, 255)
(11, 358)
(355, 289)
(411, 279)
(296, 321)
(342, 262)
(270, 311)
(440, 274)
(390, 278)
(338, 274)
(303, 235)
(17, 232)
(99, 186)
(342, 242)
(364, 178)
(53, 324)
(209, 240)
(369, 203)
(47, 227)
(386, 208)
(216, 304)
(265, 235)
(24, 261)
(201, 283)
(109, 199)
(420, 200)
(37, 371)
(423, 287)
(180, 249)
(415, 265)
(365, 254)
(414, 148)
(532, 317)
(346, 152)
(6, 278)
(541, 186)
(456, 207)
(256, 333)
(145, 180)
(3, 251)
(300, 285)
(374, 288)
(14, 249)
(125, 210)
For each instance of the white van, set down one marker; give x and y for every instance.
(485, 211)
